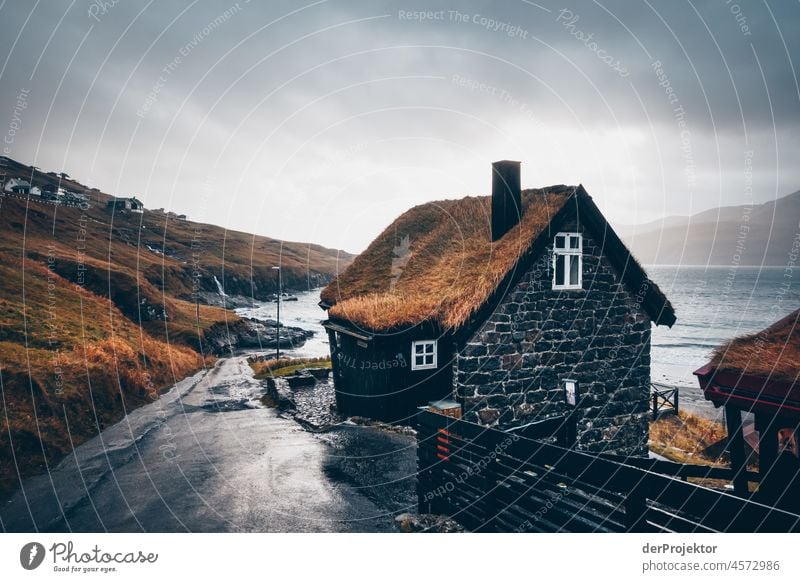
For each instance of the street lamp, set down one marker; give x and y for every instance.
(278, 330)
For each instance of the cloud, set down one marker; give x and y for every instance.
(323, 121)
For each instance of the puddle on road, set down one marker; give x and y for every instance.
(231, 405)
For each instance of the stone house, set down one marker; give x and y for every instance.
(516, 306)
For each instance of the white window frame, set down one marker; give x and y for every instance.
(563, 254)
(433, 354)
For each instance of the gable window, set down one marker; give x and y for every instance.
(423, 355)
(568, 261)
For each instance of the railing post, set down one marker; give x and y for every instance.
(489, 478)
(655, 405)
(636, 511)
(567, 433)
(733, 421)
(426, 485)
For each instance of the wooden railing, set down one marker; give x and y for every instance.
(664, 398)
(681, 470)
(490, 480)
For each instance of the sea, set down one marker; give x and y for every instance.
(712, 305)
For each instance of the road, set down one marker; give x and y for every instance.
(207, 457)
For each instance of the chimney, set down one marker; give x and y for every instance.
(506, 197)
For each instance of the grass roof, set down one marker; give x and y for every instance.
(773, 352)
(437, 263)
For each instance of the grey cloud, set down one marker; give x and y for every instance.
(406, 110)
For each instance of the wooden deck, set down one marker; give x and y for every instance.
(530, 480)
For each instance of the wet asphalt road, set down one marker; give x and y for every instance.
(207, 457)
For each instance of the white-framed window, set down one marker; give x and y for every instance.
(423, 355)
(568, 261)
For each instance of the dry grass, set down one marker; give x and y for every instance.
(79, 346)
(285, 366)
(773, 352)
(686, 438)
(694, 440)
(437, 262)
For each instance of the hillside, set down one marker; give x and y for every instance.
(757, 235)
(100, 311)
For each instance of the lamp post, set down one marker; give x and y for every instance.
(278, 330)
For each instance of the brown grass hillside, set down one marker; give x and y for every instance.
(97, 313)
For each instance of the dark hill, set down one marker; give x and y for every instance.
(100, 311)
(757, 235)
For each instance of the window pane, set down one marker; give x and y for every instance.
(429, 360)
(574, 242)
(560, 242)
(419, 360)
(559, 269)
(573, 269)
(429, 348)
(418, 348)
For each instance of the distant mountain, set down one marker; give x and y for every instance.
(757, 235)
(100, 309)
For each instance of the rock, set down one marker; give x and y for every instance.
(257, 334)
(228, 301)
(300, 380)
(315, 406)
(274, 397)
(319, 373)
(222, 339)
(396, 428)
(488, 416)
(427, 523)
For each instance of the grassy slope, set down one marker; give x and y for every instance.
(83, 337)
(692, 439)
(286, 366)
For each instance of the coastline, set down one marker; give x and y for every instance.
(220, 341)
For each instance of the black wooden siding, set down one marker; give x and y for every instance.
(374, 379)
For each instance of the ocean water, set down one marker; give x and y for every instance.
(712, 304)
(304, 313)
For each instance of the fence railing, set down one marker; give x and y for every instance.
(490, 480)
(664, 398)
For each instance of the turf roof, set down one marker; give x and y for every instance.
(436, 262)
(772, 353)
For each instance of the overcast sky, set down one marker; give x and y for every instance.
(323, 121)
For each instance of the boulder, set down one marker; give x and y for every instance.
(319, 373)
(427, 523)
(300, 380)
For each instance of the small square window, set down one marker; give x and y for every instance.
(423, 355)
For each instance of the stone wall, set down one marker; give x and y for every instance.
(511, 371)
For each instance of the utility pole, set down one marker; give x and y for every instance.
(278, 330)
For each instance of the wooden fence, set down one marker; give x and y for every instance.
(664, 398)
(529, 480)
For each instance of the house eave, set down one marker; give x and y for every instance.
(363, 336)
